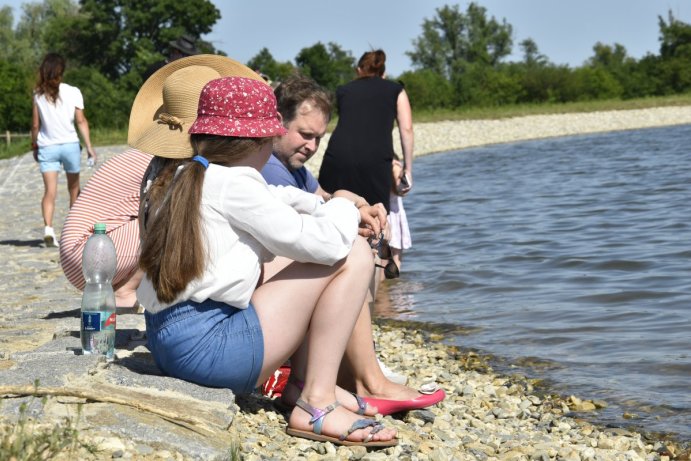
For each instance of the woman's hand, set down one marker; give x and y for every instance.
(91, 154)
(406, 183)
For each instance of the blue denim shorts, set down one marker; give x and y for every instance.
(68, 154)
(209, 343)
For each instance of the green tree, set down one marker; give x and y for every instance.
(32, 38)
(329, 66)
(542, 83)
(265, 62)
(115, 36)
(427, 89)
(531, 54)
(482, 85)
(608, 57)
(106, 105)
(675, 38)
(675, 55)
(15, 104)
(453, 39)
(7, 37)
(597, 83)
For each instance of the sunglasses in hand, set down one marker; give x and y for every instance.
(381, 245)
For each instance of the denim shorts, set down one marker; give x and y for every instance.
(68, 154)
(208, 343)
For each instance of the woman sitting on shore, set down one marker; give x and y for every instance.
(213, 232)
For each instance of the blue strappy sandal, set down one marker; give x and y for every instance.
(317, 420)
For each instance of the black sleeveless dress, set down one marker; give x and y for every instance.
(358, 157)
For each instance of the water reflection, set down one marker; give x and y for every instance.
(573, 251)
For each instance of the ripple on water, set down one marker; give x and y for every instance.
(572, 251)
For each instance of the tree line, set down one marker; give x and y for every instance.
(458, 60)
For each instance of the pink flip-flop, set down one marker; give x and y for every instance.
(388, 407)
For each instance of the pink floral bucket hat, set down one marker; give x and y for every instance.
(237, 106)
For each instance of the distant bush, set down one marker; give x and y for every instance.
(105, 105)
(15, 105)
(428, 90)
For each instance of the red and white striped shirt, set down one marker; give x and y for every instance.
(111, 196)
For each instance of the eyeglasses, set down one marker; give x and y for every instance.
(384, 252)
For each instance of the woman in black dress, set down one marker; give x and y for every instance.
(360, 151)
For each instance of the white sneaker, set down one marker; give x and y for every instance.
(50, 238)
(392, 375)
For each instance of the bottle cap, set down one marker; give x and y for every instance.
(99, 228)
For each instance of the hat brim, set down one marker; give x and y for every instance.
(148, 104)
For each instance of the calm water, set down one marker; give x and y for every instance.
(572, 255)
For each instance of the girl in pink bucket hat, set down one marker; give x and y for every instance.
(241, 276)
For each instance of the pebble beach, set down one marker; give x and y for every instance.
(126, 409)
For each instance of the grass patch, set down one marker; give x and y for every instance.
(28, 440)
(18, 147)
(99, 137)
(109, 136)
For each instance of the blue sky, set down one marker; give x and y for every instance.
(565, 31)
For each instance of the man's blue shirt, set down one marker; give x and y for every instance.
(276, 173)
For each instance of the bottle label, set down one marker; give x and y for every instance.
(98, 321)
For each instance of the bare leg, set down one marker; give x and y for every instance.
(397, 255)
(50, 192)
(361, 373)
(73, 186)
(319, 305)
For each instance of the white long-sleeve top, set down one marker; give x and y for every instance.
(246, 222)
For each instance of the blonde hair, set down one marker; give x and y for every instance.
(173, 252)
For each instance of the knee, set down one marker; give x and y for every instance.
(361, 257)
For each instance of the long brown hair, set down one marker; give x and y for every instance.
(50, 76)
(372, 63)
(172, 239)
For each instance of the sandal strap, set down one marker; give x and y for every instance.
(364, 424)
(317, 414)
(361, 404)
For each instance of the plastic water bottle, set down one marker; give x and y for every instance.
(97, 330)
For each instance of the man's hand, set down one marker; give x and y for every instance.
(372, 219)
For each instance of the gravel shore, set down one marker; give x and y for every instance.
(129, 411)
(456, 135)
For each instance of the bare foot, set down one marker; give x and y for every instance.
(385, 389)
(336, 423)
(292, 391)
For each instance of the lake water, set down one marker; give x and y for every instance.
(569, 255)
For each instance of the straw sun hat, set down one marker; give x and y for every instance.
(166, 105)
